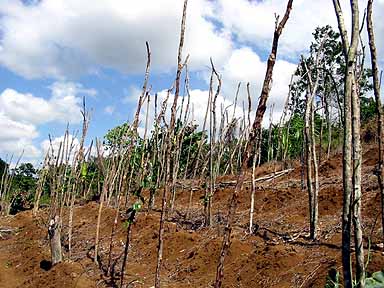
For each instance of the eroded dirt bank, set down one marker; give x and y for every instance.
(277, 254)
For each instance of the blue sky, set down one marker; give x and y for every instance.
(52, 53)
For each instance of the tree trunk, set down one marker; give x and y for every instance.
(253, 140)
(351, 173)
(270, 142)
(126, 247)
(329, 126)
(315, 217)
(102, 198)
(168, 146)
(252, 195)
(54, 232)
(39, 188)
(379, 107)
(357, 162)
(308, 157)
(281, 148)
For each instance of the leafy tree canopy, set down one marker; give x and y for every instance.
(3, 167)
(119, 137)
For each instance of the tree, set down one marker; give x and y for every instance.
(378, 106)
(118, 138)
(169, 147)
(311, 157)
(253, 141)
(23, 186)
(351, 150)
(368, 109)
(3, 167)
(5, 185)
(331, 86)
(189, 145)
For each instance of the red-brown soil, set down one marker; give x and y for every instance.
(278, 254)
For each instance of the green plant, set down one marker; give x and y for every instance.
(375, 281)
(333, 279)
(8, 264)
(23, 185)
(45, 199)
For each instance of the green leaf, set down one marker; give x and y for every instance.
(136, 206)
(378, 276)
(126, 224)
(333, 279)
(84, 170)
(376, 281)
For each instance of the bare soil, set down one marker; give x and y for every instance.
(277, 253)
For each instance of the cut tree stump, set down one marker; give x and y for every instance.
(55, 241)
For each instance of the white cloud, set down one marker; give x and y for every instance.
(378, 14)
(62, 106)
(16, 137)
(197, 109)
(244, 66)
(71, 141)
(65, 38)
(253, 22)
(22, 113)
(53, 146)
(132, 94)
(17, 106)
(198, 106)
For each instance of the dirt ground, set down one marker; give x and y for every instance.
(277, 253)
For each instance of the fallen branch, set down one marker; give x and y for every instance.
(266, 178)
(6, 231)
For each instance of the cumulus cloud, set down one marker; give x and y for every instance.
(65, 38)
(253, 21)
(90, 34)
(131, 94)
(16, 137)
(245, 65)
(53, 146)
(17, 106)
(197, 108)
(63, 105)
(22, 113)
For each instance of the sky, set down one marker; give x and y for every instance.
(54, 53)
